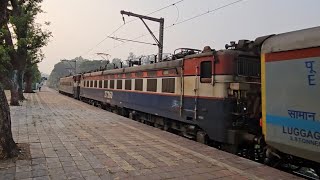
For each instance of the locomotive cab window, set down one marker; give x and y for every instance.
(206, 72)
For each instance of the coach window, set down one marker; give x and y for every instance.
(206, 71)
(119, 84)
(127, 84)
(138, 84)
(111, 84)
(91, 83)
(105, 84)
(168, 85)
(152, 85)
(95, 83)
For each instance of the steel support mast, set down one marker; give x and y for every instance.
(159, 20)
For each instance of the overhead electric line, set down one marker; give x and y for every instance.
(121, 26)
(130, 40)
(184, 21)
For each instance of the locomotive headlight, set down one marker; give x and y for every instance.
(245, 108)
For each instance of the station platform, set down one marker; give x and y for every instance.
(73, 140)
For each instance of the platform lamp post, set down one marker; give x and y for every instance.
(75, 64)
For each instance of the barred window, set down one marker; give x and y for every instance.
(100, 84)
(119, 84)
(105, 85)
(95, 83)
(152, 85)
(128, 84)
(111, 84)
(168, 85)
(138, 84)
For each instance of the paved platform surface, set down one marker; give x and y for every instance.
(72, 140)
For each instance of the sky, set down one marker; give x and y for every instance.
(80, 27)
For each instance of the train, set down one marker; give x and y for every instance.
(258, 99)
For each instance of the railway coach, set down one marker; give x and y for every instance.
(291, 97)
(66, 85)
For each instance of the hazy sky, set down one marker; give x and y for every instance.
(79, 25)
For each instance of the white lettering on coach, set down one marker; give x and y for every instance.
(108, 94)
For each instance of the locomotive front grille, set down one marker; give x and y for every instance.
(248, 66)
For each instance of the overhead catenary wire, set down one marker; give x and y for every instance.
(205, 13)
(184, 21)
(121, 26)
(122, 39)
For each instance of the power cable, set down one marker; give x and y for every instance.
(120, 27)
(183, 21)
(207, 12)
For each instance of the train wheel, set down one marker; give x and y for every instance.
(201, 137)
(231, 148)
(131, 116)
(157, 126)
(317, 170)
(166, 126)
(115, 111)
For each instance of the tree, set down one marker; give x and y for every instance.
(31, 77)
(117, 62)
(131, 56)
(37, 39)
(7, 145)
(29, 39)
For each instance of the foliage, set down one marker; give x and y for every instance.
(36, 74)
(21, 40)
(66, 68)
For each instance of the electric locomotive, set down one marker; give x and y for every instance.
(214, 96)
(207, 95)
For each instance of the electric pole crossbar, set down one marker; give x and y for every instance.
(159, 20)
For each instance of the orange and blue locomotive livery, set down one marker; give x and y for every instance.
(256, 98)
(198, 95)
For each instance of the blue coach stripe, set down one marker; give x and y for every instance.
(289, 122)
